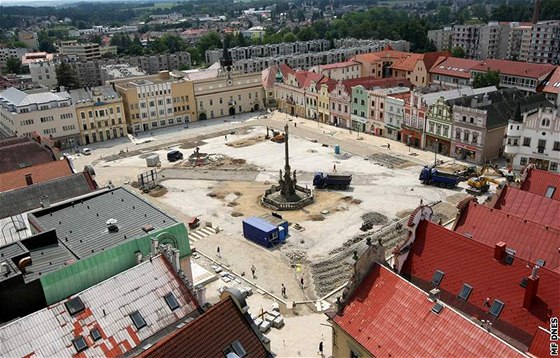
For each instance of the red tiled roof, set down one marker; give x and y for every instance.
(39, 173)
(515, 68)
(531, 241)
(552, 85)
(538, 181)
(304, 78)
(387, 53)
(529, 206)
(338, 65)
(370, 82)
(454, 67)
(464, 260)
(408, 63)
(388, 316)
(208, 335)
(540, 346)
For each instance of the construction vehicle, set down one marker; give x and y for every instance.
(332, 180)
(480, 185)
(278, 137)
(432, 176)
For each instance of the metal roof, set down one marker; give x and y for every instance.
(81, 224)
(46, 254)
(386, 310)
(108, 305)
(19, 98)
(260, 224)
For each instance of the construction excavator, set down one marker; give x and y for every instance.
(480, 185)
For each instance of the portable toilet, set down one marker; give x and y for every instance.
(337, 149)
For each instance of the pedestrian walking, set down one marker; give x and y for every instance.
(334, 168)
(295, 124)
(226, 137)
(253, 270)
(321, 348)
(301, 281)
(218, 252)
(283, 290)
(389, 146)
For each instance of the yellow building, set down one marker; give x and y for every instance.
(323, 98)
(157, 101)
(100, 114)
(221, 91)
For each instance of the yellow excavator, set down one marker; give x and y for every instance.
(480, 185)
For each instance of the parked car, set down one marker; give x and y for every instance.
(86, 151)
(174, 155)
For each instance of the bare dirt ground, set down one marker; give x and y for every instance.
(247, 195)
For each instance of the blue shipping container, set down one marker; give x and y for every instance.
(260, 231)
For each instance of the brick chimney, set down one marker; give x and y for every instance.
(28, 179)
(531, 288)
(536, 11)
(500, 251)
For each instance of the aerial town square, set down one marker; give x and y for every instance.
(279, 179)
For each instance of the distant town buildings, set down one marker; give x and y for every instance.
(518, 41)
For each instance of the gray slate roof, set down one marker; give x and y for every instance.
(504, 104)
(28, 198)
(82, 224)
(106, 93)
(19, 152)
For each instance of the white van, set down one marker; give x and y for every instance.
(86, 151)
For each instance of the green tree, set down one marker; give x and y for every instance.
(66, 76)
(490, 78)
(210, 41)
(13, 65)
(458, 52)
(289, 37)
(196, 57)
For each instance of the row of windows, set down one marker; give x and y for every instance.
(553, 165)
(47, 119)
(69, 128)
(239, 97)
(154, 93)
(100, 112)
(66, 116)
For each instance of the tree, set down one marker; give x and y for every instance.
(289, 37)
(458, 52)
(490, 78)
(13, 65)
(210, 41)
(66, 76)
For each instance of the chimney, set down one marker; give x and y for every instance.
(45, 202)
(536, 11)
(28, 179)
(531, 288)
(500, 251)
(474, 102)
(154, 247)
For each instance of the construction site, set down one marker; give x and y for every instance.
(227, 169)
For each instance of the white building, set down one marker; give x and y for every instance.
(48, 114)
(535, 139)
(43, 73)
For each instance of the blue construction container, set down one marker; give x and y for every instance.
(336, 149)
(263, 232)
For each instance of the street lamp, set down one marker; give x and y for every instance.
(435, 152)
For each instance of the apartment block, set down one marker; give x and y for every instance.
(84, 51)
(544, 45)
(43, 73)
(339, 71)
(100, 114)
(156, 101)
(271, 50)
(442, 38)
(516, 47)
(48, 114)
(493, 41)
(468, 38)
(6, 53)
(90, 73)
